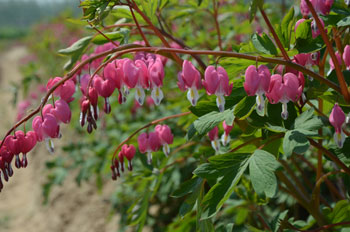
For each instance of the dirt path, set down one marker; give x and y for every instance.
(71, 209)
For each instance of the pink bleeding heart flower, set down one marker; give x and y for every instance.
(338, 60)
(288, 88)
(156, 76)
(61, 111)
(304, 9)
(166, 137)
(129, 153)
(216, 82)
(346, 56)
(148, 143)
(121, 159)
(320, 6)
(213, 135)
(115, 72)
(46, 128)
(314, 28)
(190, 78)
(27, 142)
(105, 88)
(6, 157)
(225, 138)
(337, 119)
(257, 81)
(64, 91)
(136, 76)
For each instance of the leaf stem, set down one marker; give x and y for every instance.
(217, 26)
(275, 36)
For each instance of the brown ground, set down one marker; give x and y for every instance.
(71, 208)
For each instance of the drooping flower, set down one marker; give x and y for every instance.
(148, 143)
(165, 137)
(216, 82)
(136, 76)
(337, 119)
(225, 138)
(105, 88)
(190, 78)
(346, 56)
(214, 138)
(64, 91)
(46, 127)
(284, 89)
(60, 110)
(314, 28)
(156, 76)
(257, 81)
(320, 6)
(129, 153)
(331, 63)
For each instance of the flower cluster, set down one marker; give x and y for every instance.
(214, 136)
(152, 141)
(277, 88)
(127, 152)
(216, 82)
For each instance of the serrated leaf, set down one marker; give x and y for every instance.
(295, 141)
(207, 122)
(208, 171)
(187, 187)
(344, 22)
(262, 166)
(227, 160)
(245, 107)
(223, 189)
(264, 44)
(308, 121)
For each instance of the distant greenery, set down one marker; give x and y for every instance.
(16, 16)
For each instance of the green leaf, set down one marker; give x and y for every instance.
(295, 141)
(264, 44)
(206, 106)
(341, 212)
(207, 122)
(208, 171)
(286, 27)
(308, 121)
(262, 166)
(222, 190)
(254, 4)
(304, 41)
(245, 107)
(187, 187)
(304, 30)
(115, 35)
(227, 160)
(344, 22)
(76, 47)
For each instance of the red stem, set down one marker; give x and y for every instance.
(275, 36)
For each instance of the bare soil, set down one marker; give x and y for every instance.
(71, 208)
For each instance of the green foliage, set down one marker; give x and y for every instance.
(264, 44)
